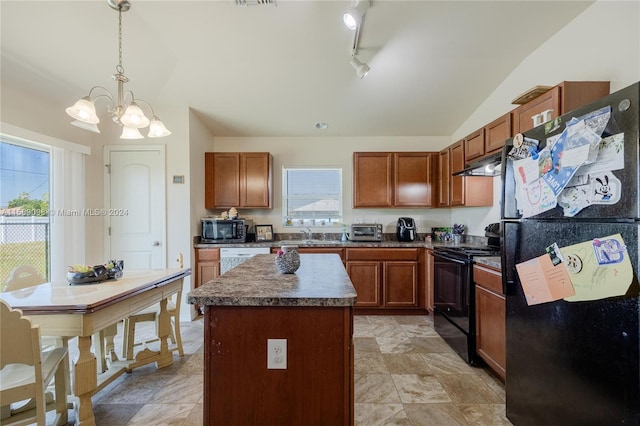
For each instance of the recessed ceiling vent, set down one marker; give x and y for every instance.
(246, 3)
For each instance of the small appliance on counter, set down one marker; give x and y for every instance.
(366, 232)
(406, 229)
(216, 230)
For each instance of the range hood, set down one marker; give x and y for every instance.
(488, 166)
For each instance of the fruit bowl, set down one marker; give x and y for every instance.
(80, 274)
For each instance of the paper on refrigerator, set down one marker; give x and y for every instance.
(542, 281)
(598, 269)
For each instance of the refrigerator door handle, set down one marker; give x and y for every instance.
(510, 238)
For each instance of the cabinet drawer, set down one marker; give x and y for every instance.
(382, 254)
(487, 278)
(208, 254)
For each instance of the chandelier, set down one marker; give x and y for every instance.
(128, 115)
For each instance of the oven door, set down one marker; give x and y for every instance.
(454, 316)
(452, 292)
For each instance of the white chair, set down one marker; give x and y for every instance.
(23, 276)
(151, 314)
(26, 371)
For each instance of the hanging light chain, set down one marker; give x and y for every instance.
(120, 68)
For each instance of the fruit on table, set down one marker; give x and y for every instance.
(80, 268)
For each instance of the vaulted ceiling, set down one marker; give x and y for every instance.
(276, 70)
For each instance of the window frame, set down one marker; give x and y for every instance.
(312, 219)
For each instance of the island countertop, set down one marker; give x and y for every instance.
(321, 280)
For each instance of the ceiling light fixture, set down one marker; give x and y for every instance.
(129, 116)
(353, 20)
(352, 17)
(361, 68)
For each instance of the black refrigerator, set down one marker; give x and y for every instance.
(574, 362)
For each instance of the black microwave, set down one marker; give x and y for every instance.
(224, 230)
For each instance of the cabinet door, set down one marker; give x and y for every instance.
(207, 265)
(474, 145)
(400, 284)
(222, 179)
(255, 179)
(372, 179)
(428, 277)
(490, 329)
(445, 178)
(456, 196)
(496, 133)
(413, 179)
(365, 277)
(523, 115)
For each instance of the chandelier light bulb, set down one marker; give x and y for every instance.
(134, 117)
(157, 129)
(130, 133)
(84, 110)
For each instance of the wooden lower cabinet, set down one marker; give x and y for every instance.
(317, 386)
(387, 278)
(490, 318)
(207, 267)
(428, 280)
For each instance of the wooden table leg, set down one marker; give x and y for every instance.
(165, 357)
(85, 381)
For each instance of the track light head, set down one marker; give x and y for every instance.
(352, 17)
(362, 69)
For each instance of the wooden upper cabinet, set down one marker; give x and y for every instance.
(255, 179)
(238, 179)
(474, 145)
(457, 186)
(496, 133)
(394, 179)
(562, 98)
(458, 191)
(414, 179)
(444, 165)
(372, 179)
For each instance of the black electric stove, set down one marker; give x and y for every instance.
(454, 293)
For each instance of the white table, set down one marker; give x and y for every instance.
(68, 311)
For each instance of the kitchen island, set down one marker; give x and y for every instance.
(278, 347)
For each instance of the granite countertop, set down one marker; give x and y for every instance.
(321, 280)
(338, 244)
(493, 261)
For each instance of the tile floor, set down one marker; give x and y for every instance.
(405, 374)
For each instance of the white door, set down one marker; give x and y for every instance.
(135, 193)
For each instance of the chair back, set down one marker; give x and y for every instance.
(23, 276)
(20, 342)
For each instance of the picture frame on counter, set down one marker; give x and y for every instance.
(264, 232)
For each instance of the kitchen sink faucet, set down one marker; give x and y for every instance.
(308, 233)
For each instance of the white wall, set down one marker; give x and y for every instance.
(338, 152)
(602, 44)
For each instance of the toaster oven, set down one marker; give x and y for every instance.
(366, 232)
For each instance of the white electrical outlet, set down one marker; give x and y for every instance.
(277, 354)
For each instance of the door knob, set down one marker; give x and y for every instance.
(156, 243)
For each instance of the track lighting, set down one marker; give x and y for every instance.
(361, 68)
(352, 17)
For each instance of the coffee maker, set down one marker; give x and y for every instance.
(406, 229)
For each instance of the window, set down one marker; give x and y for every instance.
(65, 174)
(311, 196)
(24, 210)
